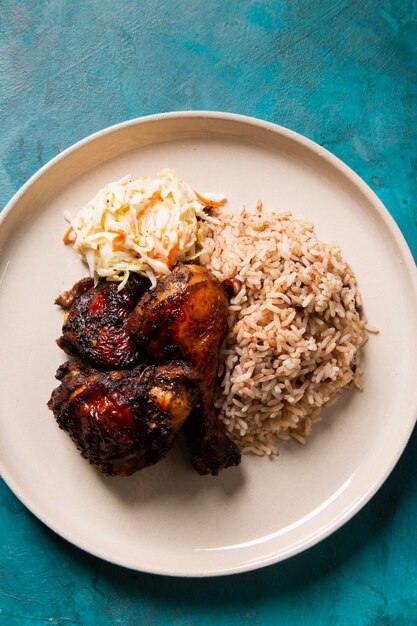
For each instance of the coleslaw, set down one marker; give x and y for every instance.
(145, 226)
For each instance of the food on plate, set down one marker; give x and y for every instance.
(123, 421)
(178, 282)
(95, 321)
(185, 317)
(295, 327)
(144, 226)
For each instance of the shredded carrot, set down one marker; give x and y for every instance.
(117, 241)
(133, 223)
(159, 251)
(171, 256)
(166, 257)
(66, 238)
(204, 200)
(121, 236)
(156, 196)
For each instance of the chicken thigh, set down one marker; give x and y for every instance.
(123, 421)
(95, 322)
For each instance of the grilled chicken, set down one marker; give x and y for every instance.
(123, 421)
(185, 317)
(95, 322)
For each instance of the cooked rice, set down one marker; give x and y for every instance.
(295, 325)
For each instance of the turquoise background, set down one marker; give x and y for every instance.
(342, 73)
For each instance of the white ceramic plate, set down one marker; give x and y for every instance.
(166, 519)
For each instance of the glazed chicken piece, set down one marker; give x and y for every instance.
(95, 322)
(185, 317)
(123, 421)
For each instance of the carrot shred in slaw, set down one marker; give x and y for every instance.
(67, 233)
(208, 202)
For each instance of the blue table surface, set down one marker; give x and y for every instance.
(340, 72)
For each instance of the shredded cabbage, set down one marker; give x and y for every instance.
(144, 226)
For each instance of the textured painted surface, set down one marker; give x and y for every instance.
(341, 72)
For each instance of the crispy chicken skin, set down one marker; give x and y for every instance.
(185, 317)
(95, 322)
(123, 421)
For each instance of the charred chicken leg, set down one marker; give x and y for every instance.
(123, 421)
(185, 317)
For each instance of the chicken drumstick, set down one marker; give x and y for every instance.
(185, 317)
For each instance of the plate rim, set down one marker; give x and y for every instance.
(410, 266)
